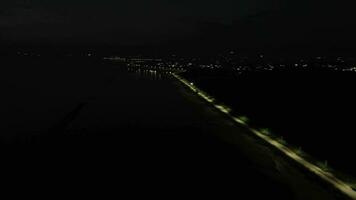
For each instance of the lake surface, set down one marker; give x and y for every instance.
(139, 127)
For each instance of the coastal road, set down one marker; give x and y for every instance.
(328, 177)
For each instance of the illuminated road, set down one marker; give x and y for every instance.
(324, 175)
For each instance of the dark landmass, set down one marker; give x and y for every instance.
(308, 108)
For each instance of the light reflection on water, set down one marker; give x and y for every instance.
(149, 74)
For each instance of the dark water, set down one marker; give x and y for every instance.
(35, 93)
(134, 131)
(313, 110)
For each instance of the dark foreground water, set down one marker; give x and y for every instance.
(95, 124)
(314, 110)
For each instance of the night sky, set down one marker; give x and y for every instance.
(141, 22)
